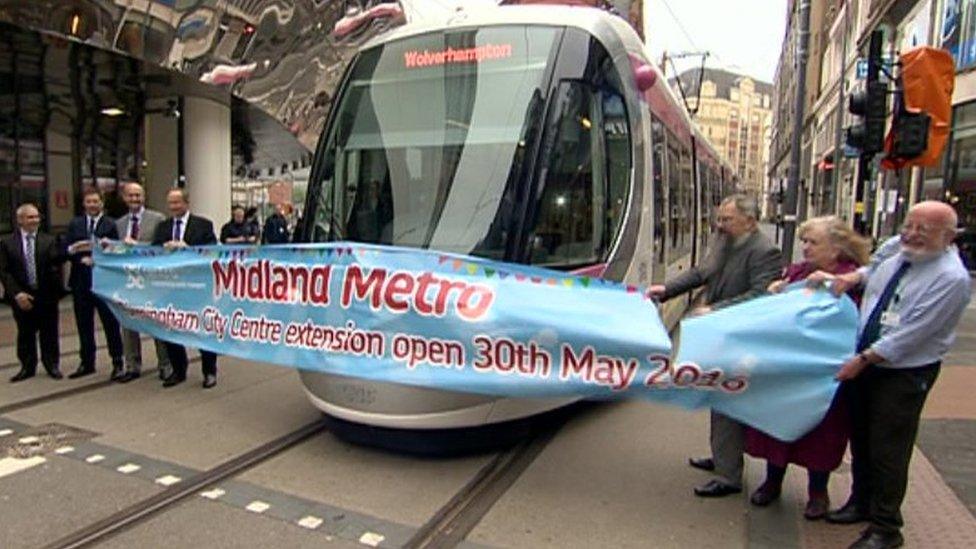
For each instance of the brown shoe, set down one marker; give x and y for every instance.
(817, 507)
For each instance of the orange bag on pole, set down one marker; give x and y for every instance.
(928, 77)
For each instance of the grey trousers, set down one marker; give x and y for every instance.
(728, 441)
(132, 344)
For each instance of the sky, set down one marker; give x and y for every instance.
(743, 36)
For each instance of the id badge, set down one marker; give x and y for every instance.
(890, 319)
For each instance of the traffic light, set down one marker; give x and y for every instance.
(910, 132)
(872, 106)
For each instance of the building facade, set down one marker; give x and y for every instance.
(203, 95)
(734, 112)
(832, 179)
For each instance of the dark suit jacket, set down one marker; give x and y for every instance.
(199, 231)
(275, 230)
(732, 274)
(81, 275)
(48, 260)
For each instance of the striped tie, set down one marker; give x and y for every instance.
(31, 262)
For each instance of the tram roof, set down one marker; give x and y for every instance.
(597, 22)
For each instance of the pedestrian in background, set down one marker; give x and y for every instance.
(829, 246)
(238, 230)
(30, 268)
(740, 265)
(916, 289)
(276, 226)
(137, 227)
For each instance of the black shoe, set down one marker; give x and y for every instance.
(705, 464)
(173, 380)
(209, 381)
(81, 372)
(22, 375)
(54, 373)
(716, 489)
(118, 372)
(848, 514)
(876, 539)
(765, 494)
(128, 376)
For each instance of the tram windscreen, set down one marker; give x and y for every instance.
(427, 143)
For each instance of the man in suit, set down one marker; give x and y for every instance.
(138, 227)
(180, 230)
(83, 231)
(30, 268)
(740, 265)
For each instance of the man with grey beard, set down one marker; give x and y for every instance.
(916, 289)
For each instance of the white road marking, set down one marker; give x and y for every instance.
(64, 450)
(29, 440)
(371, 539)
(9, 465)
(128, 468)
(6, 432)
(95, 458)
(168, 480)
(257, 506)
(213, 494)
(310, 522)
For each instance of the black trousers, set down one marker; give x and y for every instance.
(86, 303)
(41, 320)
(178, 358)
(886, 404)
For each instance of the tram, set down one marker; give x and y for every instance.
(538, 135)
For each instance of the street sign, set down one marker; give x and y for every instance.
(861, 67)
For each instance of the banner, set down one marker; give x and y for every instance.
(465, 324)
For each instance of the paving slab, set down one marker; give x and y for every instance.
(399, 488)
(46, 502)
(950, 444)
(198, 523)
(252, 404)
(616, 477)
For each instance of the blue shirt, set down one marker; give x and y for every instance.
(929, 301)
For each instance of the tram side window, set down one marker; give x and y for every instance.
(674, 192)
(681, 197)
(704, 208)
(688, 197)
(617, 151)
(564, 232)
(660, 204)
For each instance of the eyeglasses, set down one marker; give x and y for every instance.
(921, 230)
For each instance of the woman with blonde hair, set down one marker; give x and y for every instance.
(828, 245)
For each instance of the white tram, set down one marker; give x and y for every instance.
(539, 135)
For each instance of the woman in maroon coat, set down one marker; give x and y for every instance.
(828, 245)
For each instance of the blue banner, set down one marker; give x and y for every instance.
(466, 324)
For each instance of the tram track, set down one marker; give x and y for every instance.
(148, 507)
(452, 523)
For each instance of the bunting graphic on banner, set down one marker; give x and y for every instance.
(460, 323)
